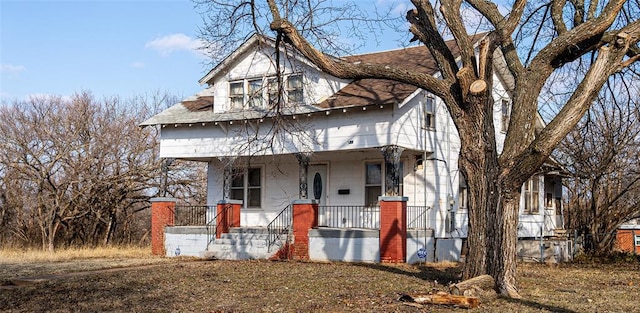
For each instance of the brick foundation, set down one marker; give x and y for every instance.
(305, 217)
(393, 229)
(162, 214)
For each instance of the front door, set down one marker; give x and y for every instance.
(317, 188)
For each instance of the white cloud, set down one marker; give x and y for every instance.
(33, 96)
(12, 69)
(137, 65)
(175, 42)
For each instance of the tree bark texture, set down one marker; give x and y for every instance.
(467, 287)
(494, 180)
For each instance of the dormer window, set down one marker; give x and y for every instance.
(255, 92)
(294, 89)
(272, 90)
(236, 94)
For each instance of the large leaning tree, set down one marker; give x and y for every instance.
(536, 38)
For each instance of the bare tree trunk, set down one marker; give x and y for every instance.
(502, 239)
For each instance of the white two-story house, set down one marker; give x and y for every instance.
(345, 136)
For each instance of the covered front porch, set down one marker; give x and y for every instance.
(399, 233)
(349, 178)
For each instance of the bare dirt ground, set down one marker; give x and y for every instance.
(184, 285)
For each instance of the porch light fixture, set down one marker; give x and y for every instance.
(176, 125)
(364, 108)
(344, 110)
(327, 112)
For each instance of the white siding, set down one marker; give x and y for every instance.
(260, 63)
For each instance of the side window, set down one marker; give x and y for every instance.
(504, 120)
(531, 195)
(463, 199)
(429, 113)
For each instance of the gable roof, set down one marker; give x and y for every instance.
(381, 91)
(358, 93)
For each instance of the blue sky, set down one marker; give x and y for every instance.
(108, 47)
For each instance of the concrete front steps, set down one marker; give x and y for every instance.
(242, 243)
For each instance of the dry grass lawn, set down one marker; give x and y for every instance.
(185, 285)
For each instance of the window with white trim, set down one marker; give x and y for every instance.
(531, 195)
(429, 113)
(272, 91)
(463, 198)
(246, 185)
(374, 182)
(504, 115)
(295, 89)
(637, 240)
(255, 92)
(236, 94)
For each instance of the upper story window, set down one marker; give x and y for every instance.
(295, 88)
(255, 92)
(236, 94)
(531, 195)
(272, 91)
(504, 116)
(429, 113)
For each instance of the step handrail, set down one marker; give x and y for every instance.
(279, 226)
(212, 224)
